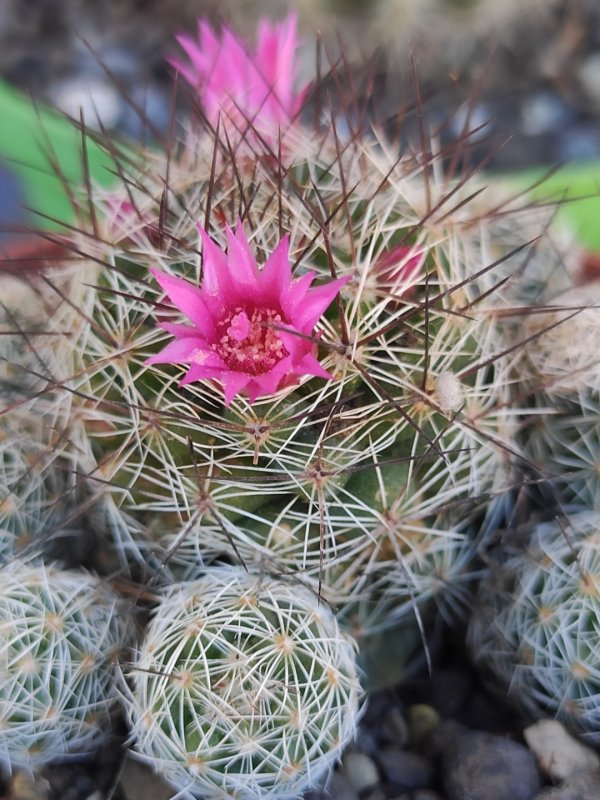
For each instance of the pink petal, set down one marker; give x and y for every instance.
(178, 329)
(241, 262)
(316, 302)
(234, 383)
(244, 87)
(189, 300)
(310, 365)
(217, 284)
(175, 352)
(212, 366)
(294, 294)
(276, 275)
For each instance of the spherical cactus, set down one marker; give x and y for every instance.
(243, 687)
(60, 635)
(536, 623)
(564, 337)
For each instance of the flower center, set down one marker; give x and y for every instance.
(248, 343)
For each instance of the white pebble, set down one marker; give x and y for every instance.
(95, 98)
(558, 753)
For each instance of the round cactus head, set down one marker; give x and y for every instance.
(537, 623)
(60, 633)
(244, 687)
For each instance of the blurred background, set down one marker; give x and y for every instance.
(525, 74)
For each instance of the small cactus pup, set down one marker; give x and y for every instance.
(535, 630)
(60, 636)
(243, 687)
(560, 369)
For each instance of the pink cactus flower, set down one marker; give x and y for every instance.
(240, 88)
(400, 265)
(252, 330)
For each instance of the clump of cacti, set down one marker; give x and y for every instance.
(358, 448)
(282, 350)
(243, 687)
(324, 456)
(61, 633)
(535, 621)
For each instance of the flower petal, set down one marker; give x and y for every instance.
(216, 280)
(176, 352)
(310, 365)
(234, 383)
(276, 275)
(316, 302)
(241, 262)
(189, 299)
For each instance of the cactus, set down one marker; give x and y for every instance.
(60, 635)
(363, 469)
(292, 351)
(536, 620)
(559, 369)
(242, 687)
(419, 395)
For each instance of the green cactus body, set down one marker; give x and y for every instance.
(60, 635)
(242, 687)
(293, 481)
(536, 622)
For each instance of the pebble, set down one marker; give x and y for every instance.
(579, 143)
(422, 721)
(481, 766)
(404, 771)
(138, 782)
(360, 771)
(336, 787)
(25, 786)
(99, 102)
(150, 107)
(424, 794)
(395, 728)
(558, 753)
(589, 75)
(544, 112)
(584, 786)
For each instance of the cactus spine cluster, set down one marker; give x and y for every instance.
(61, 633)
(243, 687)
(361, 482)
(536, 621)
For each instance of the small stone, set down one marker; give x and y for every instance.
(583, 786)
(558, 753)
(360, 771)
(589, 75)
(138, 782)
(366, 741)
(422, 721)
(150, 108)
(544, 112)
(338, 788)
(579, 142)
(374, 794)
(482, 766)
(99, 102)
(25, 786)
(404, 771)
(394, 728)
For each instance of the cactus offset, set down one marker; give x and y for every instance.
(243, 687)
(60, 635)
(535, 623)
